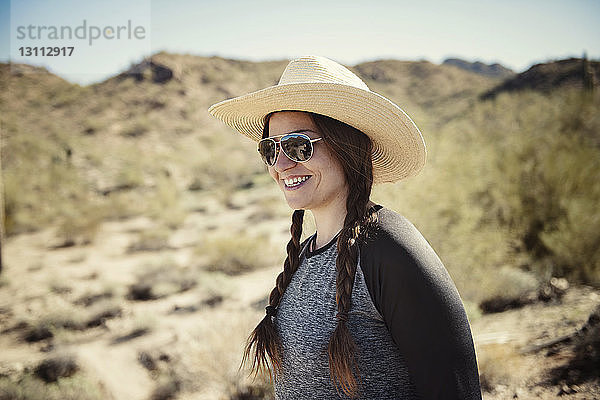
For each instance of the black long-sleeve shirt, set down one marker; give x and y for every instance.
(412, 333)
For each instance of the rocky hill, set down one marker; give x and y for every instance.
(492, 70)
(576, 73)
(156, 108)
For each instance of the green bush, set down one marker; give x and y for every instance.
(511, 182)
(550, 174)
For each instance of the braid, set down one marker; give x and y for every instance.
(342, 349)
(264, 338)
(292, 261)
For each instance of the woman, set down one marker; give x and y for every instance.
(364, 308)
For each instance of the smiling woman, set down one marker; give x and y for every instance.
(364, 308)
(318, 183)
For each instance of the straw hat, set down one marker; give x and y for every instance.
(322, 86)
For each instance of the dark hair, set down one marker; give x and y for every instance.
(352, 149)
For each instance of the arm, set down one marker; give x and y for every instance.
(422, 309)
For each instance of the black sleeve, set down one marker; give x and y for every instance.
(422, 309)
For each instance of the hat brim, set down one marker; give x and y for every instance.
(398, 146)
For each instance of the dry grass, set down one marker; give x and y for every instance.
(258, 390)
(139, 325)
(28, 387)
(151, 240)
(54, 368)
(91, 297)
(137, 128)
(500, 364)
(161, 279)
(167, 207)
(216, 353)
(509, 285)
(62, 318)
(55, 321)
(237, 253)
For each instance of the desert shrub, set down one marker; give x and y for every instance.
(261, 390)
(167, 388)
(212, 361)
(91, 126)
(549, 171)
(237, 253)
(141, 325)
(225, 168)
(94, 296)
(509, 182)
(166, 203)
(38, 180)
(130, 175)
(53, 368)
(508, 287)
(59, 286)
(61, 318)
(79, 222)
(499, 364)
(44, 184)
(101, 312)
(68, 96)
(29, 387)
(161, 279)
(137, 127)
(150, 240)
(4, 281)
(123, 205)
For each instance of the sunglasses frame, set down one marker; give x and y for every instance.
(278, 146)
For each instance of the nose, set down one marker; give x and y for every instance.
(283, 162)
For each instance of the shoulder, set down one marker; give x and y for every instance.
(421, 307)
(395, 249)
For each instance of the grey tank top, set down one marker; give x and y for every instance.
(305, 321)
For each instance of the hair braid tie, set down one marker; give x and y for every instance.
(271, 310)
(342, 316)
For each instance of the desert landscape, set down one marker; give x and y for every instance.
(142, 236)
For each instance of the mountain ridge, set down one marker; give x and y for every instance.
(576, 73)
(495, 70)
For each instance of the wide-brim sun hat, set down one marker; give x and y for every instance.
(319, 85)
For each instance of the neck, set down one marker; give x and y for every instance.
(330, 221)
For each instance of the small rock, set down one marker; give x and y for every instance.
(566, 389)
(575, 388)
(560, 285)
(147, 361)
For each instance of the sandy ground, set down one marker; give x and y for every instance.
(201, 342)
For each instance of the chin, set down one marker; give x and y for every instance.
(296, 204)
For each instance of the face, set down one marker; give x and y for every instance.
(323, 184)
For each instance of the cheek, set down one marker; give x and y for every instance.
(272, 173)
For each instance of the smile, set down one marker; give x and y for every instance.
(296, 181)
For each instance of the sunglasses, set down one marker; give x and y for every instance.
(297, 147)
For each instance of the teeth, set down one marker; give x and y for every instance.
(295, 181)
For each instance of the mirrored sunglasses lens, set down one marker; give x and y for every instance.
(268, 152)
(297, 148)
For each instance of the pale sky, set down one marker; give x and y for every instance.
(514, 33)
